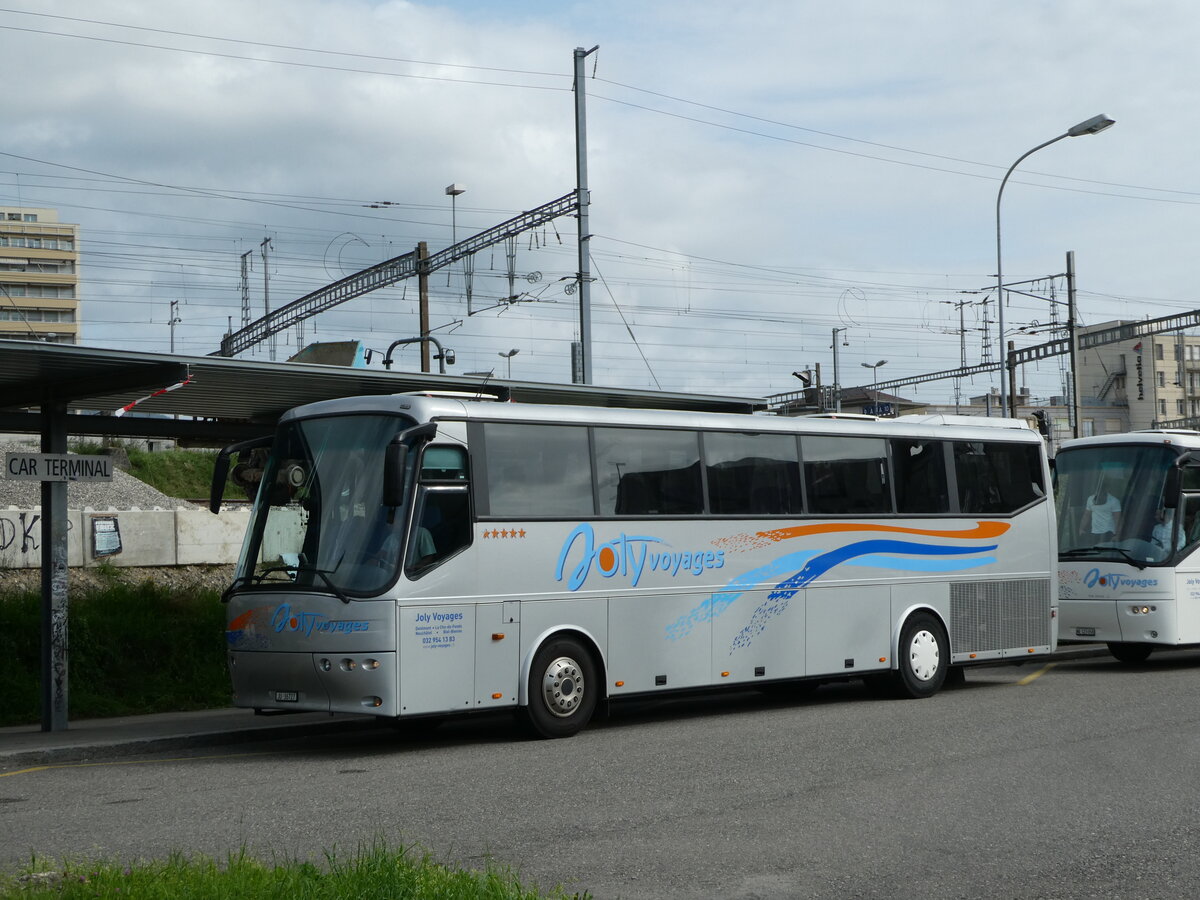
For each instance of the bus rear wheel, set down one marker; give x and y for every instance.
(1130, 652)
(924, 657)
(563, 689)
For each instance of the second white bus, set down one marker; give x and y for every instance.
(1129, 541)
(417, 556)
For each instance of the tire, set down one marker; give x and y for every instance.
(563, 689)
(1130, 653)
(923, 656)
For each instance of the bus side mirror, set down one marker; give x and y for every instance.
(217, 489)
(1180, 477)
(221, 469)
(394, 460)
(1171, 488)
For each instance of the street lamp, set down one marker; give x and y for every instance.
(874, 367)
(509, 355)
(452, 191)
(1094, 125)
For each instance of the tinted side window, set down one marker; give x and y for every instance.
(645, 472)
(997, 478)
(845, 474)
(752, 474)
(442, 527)
(919, 473)
(443, 464)
(537, 470)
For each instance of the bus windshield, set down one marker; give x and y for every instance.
(1110, 504)
(318, 520)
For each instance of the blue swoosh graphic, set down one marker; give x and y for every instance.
(868, 553)
(720, 601)
(923, 565)
(819, 565)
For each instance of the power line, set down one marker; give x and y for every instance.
(283, 62)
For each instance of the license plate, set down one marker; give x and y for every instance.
(287, 697)
(1085, 632)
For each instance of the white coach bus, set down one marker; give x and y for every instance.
(1129, 540)
(413, 555)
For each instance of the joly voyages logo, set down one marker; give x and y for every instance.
(629, 556)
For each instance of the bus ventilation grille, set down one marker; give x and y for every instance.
(999, 615)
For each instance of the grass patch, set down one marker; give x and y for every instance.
(177, 473)
(373, 872)
(135, 648)
(185, 474)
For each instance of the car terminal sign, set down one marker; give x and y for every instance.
(57, 467)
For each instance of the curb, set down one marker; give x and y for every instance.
(121, 746)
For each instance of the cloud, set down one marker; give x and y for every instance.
(856, 187)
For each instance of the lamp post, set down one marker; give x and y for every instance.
(509, 355)
(452, 191)
(1094, 125)
(874, 367)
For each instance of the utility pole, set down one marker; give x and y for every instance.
(581, 187)
(1072, 322)
(1009, 369)
(423, 300)
(837, 384)
(174, 320)
(960, 305)
(263, 247)
(245, 290)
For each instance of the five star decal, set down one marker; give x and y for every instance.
(504, 533)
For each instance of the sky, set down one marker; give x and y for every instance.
(757, 180)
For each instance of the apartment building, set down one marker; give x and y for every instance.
(39, 276)
(1151, 381)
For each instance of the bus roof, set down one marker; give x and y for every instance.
(1187, 440)
(426, 407)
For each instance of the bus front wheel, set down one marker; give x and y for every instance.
(924, 657)
(563, 689)
(1130, 652)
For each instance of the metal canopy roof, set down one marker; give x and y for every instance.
(239, 398)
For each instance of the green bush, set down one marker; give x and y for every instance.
(133, 648)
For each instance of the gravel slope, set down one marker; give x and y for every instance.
(123, 492)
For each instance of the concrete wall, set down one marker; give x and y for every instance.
(149, 537)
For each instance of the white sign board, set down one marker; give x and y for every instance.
(57, 467)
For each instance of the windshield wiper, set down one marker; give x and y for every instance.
(333, 588)
(1088, 551)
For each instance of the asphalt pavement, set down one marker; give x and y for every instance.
(29, 745)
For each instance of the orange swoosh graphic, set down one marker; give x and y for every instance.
(981, 531)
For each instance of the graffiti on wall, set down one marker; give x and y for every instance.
(21, 533)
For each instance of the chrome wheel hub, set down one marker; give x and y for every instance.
(563, 686)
